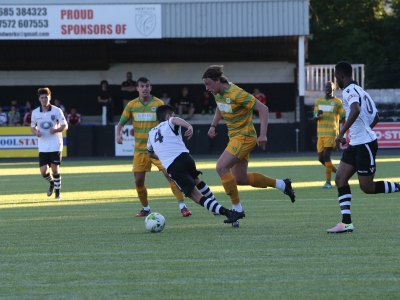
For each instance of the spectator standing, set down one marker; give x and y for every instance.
(27, 117)
(166, 99)
(185, 104)
(14, 116)
(58, 103)
(128, 89)
(3, 117)
(207, 104)
(104, 98)
(74, 118)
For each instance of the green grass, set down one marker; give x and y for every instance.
(89, 245)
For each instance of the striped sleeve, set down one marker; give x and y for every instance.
(126, 114)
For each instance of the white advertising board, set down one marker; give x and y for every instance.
(128, 142)
(50, 22)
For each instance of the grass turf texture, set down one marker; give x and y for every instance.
(90, 245)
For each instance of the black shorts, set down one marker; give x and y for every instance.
(362, 157)
(183, 172)
(48, 158)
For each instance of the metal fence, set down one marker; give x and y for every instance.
(318, 75)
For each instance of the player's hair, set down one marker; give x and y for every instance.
(162, 112)
(344, 68)
(143, 80)
(215, 73)
(44, 91)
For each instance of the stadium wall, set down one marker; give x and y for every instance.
(99, 141)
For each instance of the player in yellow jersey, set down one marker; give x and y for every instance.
(236, 106)
(142, 112)
(327, 111)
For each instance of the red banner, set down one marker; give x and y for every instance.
(388, 134)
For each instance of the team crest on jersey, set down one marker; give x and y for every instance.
(46, 125)
(153, 108)
(228, 100)
(53, 117)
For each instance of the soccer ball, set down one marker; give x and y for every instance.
(155, 222)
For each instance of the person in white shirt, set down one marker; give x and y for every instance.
(165, 143)
(359, 156)
(48, 123)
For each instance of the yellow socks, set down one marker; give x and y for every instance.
(230, 186)
(328, 170)
(142, 194)
(178, 194)
(260, 180)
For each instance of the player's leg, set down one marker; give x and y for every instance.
(55, 168)
(366, 168)
(320, 150)
(326, 154)
(261, 181)
(346, 169)
(175, 190)
(44, 161)
(243, 147)
(224, 164)
(141, 165)
(178, 195)
(213, 206)
(184, 172)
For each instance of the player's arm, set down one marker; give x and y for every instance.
(59, 129)
(217, 117)
(263, 115)
(125, 117)
(354, 113)
(34, 127)
(62, 121)
(317, 113)
(150, 149)
(120, 126)
(36, 131)
(182, 123)
(375, 121)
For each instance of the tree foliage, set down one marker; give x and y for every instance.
(363, 31)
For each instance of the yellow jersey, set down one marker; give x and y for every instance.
(236, 107)
(333, 111)
(143, 117)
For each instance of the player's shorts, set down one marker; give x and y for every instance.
(326, 142)
(241, 146)
(362, 157)
(50, 158)
(142, 162)
(183, 172)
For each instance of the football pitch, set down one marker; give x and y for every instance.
(90, 245)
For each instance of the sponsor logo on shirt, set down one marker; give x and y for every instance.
(226, 108)
(326, 108)
(144, 117)
(46, 125)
